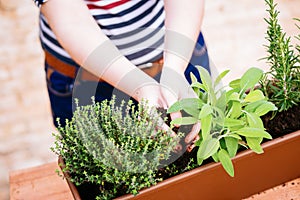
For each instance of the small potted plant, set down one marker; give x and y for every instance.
(233, 119)
(281, 84)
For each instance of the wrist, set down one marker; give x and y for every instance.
(168, 71)
(178, 50)
(146, 91)
(136, 84)
(176, 64)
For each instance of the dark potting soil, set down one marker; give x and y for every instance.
(88, 191)
(283, 123)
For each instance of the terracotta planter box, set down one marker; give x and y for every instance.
(253, 173)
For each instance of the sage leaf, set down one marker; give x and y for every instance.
(265, 108)
(221, 102)
(218, 116)
(199, 160)
(253, 132)
(175, 107)
(185, 103)
(232, 146)
(220, 77)
(235, 84)
(254, 120)
(208, 148)
(193, 78)
(215, 157)
(206, 126)
(235, 109)
(251, 107)
(205, 111)
(254, 144)
(206, 79)
(189, 105)
(184, 121)
(192, 106)
(234, 136)
(250, 78)
(229, 122)
(198, 85)
(226, 162)
(254, 95)
(232, 95)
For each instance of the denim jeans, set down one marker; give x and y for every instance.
(61, 93)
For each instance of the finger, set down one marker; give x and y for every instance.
(170, 96)
(167, 129)
(162, 104)
(193, 133)
(196, 138)
(161, 125)
(178, 148)
(190, 147)
(175, 115)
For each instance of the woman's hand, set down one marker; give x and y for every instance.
(152, 94)
(174, 87)
(183, 23)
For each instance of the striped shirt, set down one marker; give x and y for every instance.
(134, 26)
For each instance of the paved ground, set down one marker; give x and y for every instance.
(234, 31)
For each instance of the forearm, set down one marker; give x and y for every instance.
(183, 23)
(80, 35)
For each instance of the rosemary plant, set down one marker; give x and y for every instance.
(281, 83)
(298, 36)
(117, 148)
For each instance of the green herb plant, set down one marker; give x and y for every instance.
(229, 117)
(116, 147)
(298, 37)
(282, 82)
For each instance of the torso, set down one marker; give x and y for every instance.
(134, 26)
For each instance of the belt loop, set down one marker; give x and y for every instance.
(49, 72)
(78, 79)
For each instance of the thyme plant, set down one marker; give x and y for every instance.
(282, 82)
(116, 147)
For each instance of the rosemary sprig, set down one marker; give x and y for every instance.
(281, 83)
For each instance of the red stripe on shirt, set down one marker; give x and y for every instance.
(108, 6)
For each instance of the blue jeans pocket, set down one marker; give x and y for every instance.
(200, 57)
(60, 95)
(63, 90)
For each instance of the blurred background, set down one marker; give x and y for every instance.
(234, 32)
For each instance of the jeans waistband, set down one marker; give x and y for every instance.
(152, 69)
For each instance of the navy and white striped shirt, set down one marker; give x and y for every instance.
(134, 26)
